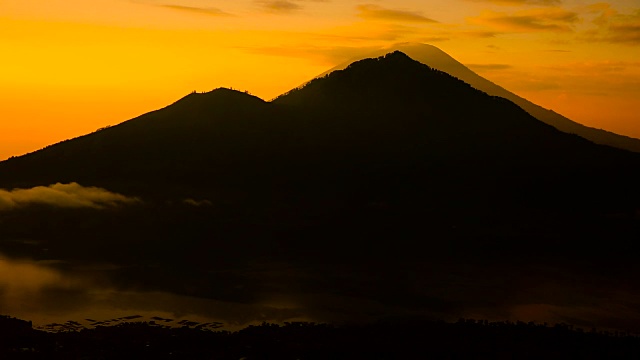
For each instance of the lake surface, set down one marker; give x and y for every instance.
(48, 292)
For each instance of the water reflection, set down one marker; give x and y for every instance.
(24, 286)
(87, 295)
(53, 293)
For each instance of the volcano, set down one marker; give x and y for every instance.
(440, 60)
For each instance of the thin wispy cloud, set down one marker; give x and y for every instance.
(431, 39)
(553, 19)
(184, 6)
(624, 33)
(589, 67)
(71, 195)
(375, 12)
(279, 6)
(613, 26)
(199, 10)
(605, 12)
(284, 6)
(329, 55)
(490, 66)
(519, 2)
(197, 203)
(477, 34)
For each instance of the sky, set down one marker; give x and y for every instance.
(70, 67)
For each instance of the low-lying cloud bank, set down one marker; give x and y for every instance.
(194, 202)
(71, 195)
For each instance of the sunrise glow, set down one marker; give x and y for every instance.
(70, 67)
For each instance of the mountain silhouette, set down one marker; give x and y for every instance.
(438, 59)
(396, 110)
(190, 142)
(380, 124)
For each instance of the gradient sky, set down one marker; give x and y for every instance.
(69, 67)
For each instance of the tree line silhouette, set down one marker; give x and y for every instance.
(465, 339)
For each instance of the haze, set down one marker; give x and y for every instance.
(73, 66)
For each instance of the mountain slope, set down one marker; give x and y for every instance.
(405, 95)
(183, 147)
(438, 59)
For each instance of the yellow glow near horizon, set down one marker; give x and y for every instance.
(72, 66)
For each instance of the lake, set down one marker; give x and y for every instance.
(56, 292)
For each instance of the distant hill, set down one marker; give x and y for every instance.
(438, 59)
(200, 142)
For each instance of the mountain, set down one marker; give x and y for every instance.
(378, 126)
(438, 59)
(397, 107)
(190, 142)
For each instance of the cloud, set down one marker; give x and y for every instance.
(198, 203)
(70, 195)
(624, 33)
(595, 67)
(375, 12)
(605, 12)
(478, 34)
(553, 19)
(200, 10)
(283, 6)
(520, 2)
(279, 6)
(430, 39)
(535, 84)
(325, 55)
(490, 66)
(613, 26)
(172, 5)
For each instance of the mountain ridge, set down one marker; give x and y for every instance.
(438, 59)
(374, 120)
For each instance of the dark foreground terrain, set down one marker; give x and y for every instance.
(465, 339)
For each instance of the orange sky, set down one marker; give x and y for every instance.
(69, 67)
